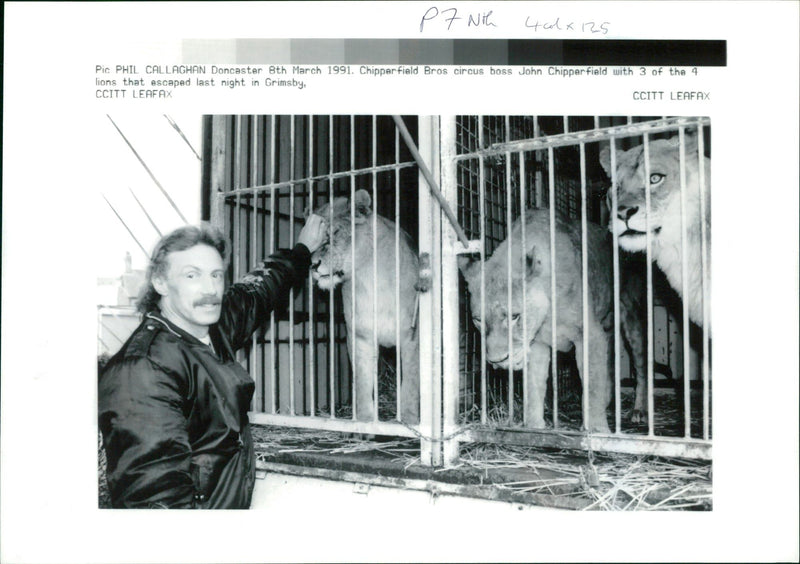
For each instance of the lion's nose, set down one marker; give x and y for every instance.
(625, 213)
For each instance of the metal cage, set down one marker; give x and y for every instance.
(492, 168)
(267, 171)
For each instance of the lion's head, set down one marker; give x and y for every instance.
(332, 263)
(532, 278)
(629, 221)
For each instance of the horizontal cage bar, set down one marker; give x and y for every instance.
(588, 136)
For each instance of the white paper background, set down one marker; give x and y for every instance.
(56, 147)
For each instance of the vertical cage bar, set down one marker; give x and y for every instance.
(616, 283)
(312, 318)
(482, 206)
(586, 298)
(237, 183)
(509, 311)
(523, 255)
(539, 182)
(374, 159)
(273, 232)
(331, 326)
(292, 156)
(687, 416)
(254, 161)
(353, 358)
(553, 299)
(399, 344)
(704, 260)
(649, 267)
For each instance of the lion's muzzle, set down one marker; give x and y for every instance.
(324, 278)
(626, 212)
(500, 362)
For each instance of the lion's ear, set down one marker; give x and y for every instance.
(690, 141)
(363, 201)
(533, 263)
(340, 206)
(605, 159)
(363, 204)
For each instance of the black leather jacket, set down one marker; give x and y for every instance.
(173, 413)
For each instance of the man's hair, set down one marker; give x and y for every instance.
(179, 240)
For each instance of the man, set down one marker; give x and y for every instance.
(173, 401)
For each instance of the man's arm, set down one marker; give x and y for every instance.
(248, 303)
(145, 436)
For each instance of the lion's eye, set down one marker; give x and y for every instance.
(515, 317)
(656, 177)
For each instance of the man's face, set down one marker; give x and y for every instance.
(191, 291)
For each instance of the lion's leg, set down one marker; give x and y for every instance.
(538, 368)
(365, 366)
(599, 383)
(409, 385)
(363, 357)
(579, 357)
(599, 376)
(632, 328)
(637, 354)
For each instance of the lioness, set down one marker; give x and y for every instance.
(332, 264)
(535, 306)
(630, 220)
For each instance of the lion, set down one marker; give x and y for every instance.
(536, 307)
(332, 264)
(630, 222)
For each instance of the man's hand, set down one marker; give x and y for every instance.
(314, 233)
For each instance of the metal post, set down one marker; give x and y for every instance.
(450, 299)
(430, 448)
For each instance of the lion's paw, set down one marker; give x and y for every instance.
(638, 416)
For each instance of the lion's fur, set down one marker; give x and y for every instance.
(332, 264)
(534, 267)
(629, 220)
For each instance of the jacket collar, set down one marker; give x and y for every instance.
(171, 327)
(220, 345)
